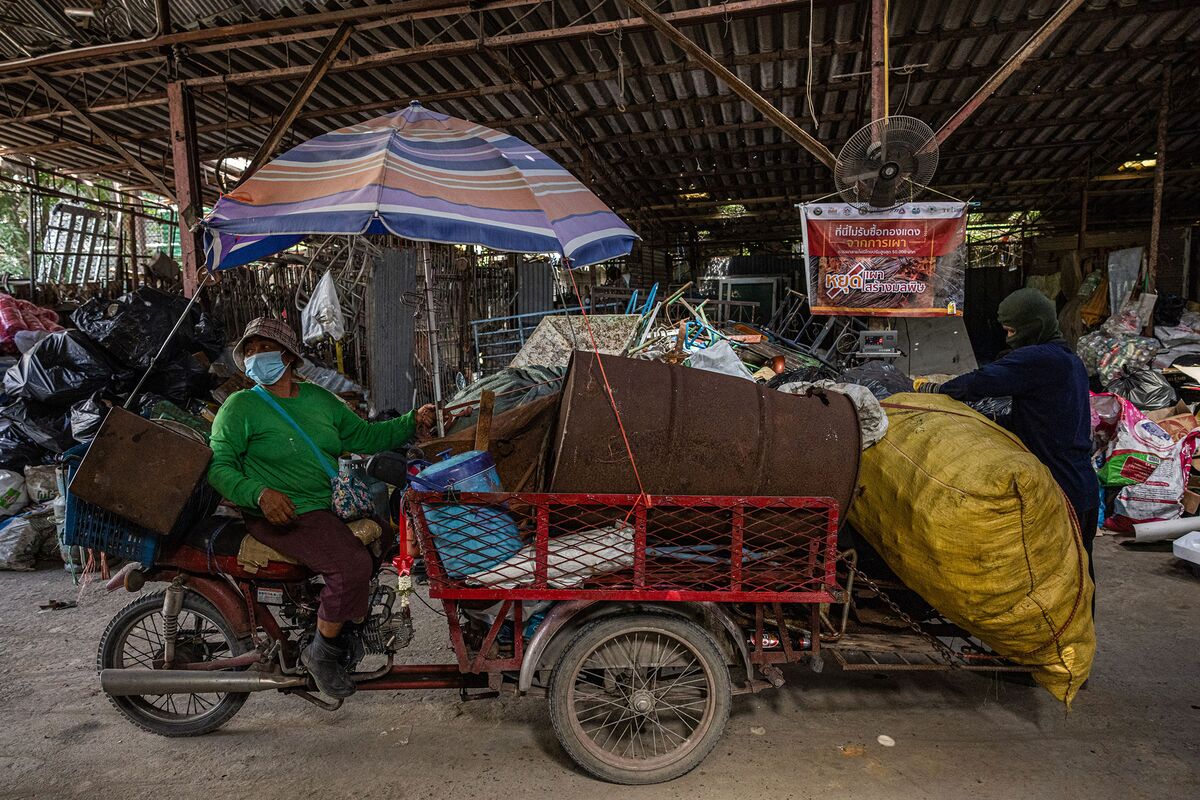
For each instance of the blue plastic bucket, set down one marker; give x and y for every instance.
(468, 539)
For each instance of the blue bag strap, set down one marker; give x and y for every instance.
(321, 457)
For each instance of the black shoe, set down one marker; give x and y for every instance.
(323, 660)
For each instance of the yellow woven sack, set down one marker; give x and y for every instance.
(975, 524)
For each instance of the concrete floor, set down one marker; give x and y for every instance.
(1134, 734)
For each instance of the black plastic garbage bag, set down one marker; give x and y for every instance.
(883, 379)
(132, 328)
(18, 451)
(206, 336)
(1147, 389)
(86, 418)
(61, 369)
(48, 427)
(181, 379)
(1168, 309)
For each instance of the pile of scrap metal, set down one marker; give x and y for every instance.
(678, 330)
(672, 331)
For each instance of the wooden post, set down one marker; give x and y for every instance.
(879, 59)
(33, 227)
(130, 224)
(1160, 170)
(1081, 242)
(483, 429)
(118, 275)
(739, 87)
(187, 183)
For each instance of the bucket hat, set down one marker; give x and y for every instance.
(276, 330)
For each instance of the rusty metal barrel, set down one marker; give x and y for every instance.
(699, 433)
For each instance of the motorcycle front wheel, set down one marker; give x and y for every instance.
(134, 640)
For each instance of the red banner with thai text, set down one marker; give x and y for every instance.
(908, 261)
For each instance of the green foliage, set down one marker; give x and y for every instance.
(985, 227)
(14, 232)
(14, 215)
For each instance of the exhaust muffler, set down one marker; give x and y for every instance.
(126, 682)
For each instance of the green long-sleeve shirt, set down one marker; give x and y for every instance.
(254, 448)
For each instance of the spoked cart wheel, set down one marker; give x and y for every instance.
(134, 640)
(641, 698)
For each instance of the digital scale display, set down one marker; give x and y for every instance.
(877, 344)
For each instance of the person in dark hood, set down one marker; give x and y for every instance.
(1051, 406)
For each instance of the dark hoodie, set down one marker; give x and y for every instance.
(1051, 410)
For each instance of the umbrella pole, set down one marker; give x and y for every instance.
(431, 320)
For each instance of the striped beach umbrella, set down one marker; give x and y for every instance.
(423, 176)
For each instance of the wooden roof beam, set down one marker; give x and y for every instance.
(1034, 43)
(106, 137)
(401, 12)
(303, 92)
(744, 193)
(743, 90)
(1125, 54)
(361, 109)
(167, 40)
(460, 47)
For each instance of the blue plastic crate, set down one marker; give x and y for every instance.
(89, 526)
(92, 527)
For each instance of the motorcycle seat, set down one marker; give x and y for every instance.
(235, 552)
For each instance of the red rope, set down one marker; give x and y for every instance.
(644, 498)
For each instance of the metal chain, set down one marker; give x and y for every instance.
(947, 654)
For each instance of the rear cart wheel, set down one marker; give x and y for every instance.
(134, 640)
(640, 699)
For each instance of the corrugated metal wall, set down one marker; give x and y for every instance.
(390, 329)
(535, 287)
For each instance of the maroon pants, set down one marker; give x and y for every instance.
(323, 543)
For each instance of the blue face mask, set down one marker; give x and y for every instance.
(265, 368)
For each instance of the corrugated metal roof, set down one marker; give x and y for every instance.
(651, 124)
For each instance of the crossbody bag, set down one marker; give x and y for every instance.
(350, 498)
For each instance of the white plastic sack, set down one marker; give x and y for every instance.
(13, 496)
(1135, 447)
(41, 483)
(1124, 266)
(323, 315)
(1158, 498)
(328, 379)
(571, 559)
(720, 358)
(1135, 313)
(871, 420)
(20, 544)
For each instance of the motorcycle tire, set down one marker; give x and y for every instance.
(161, 714)
(612, 668)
